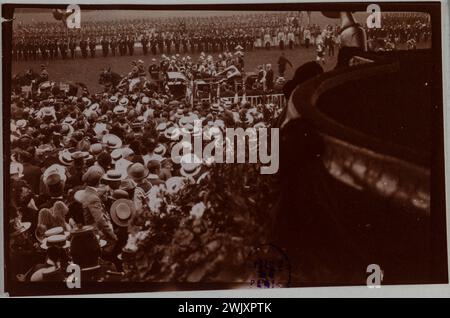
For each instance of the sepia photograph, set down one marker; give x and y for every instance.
(207, 147)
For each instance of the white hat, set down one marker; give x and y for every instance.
(174, 184)
(190, 165)
(16, 168)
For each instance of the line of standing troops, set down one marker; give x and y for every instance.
(32, 49)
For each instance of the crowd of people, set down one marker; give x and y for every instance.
(398, 29)
(163, 36)
(192, 35)
(83, 167)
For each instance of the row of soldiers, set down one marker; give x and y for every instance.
(32, 49)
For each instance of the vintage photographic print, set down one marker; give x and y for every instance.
(233, 146)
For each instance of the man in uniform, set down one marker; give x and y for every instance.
(153, 70)
(184, 42)
(144, 42)
(282, 62)
(83, 47)
(168, 42)
(105, 46)
(113, 46)
(153, 44)
(160, 44)
(72, 47)
(92, 46)
(63, 48)
(130, 44)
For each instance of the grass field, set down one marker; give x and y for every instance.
(88, 70)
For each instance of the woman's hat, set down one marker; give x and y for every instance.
(122, 212)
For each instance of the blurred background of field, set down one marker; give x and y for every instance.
(87, 70)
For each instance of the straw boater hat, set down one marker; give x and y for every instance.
(113, 99)
(122, 212)
(173, 132)
(116, 154)
(16, 168)
(139, 122)
(54, 231)
(95, 108)
(19, 227)
(87, 102)
(69, 120)
(59, 240)
(160, 150)
(112, 141)
(95, 149)
(174, 184)
(113, 175)
(21, 123)
(55, 169)
(161, 127)
(47, 112)
(124, 102)
(190, 165)
(120, 110)
(215, 107)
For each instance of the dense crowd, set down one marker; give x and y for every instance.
(400, 29)
(194, 35)
(162, 36)
(84, 168)
(93, 176)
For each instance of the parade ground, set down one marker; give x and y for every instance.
(87, 70)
